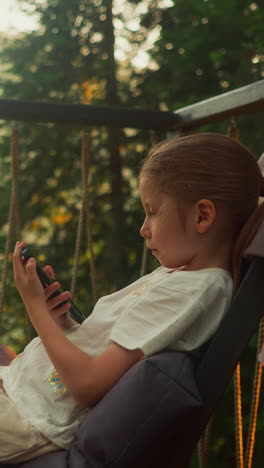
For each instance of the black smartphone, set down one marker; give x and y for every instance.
(46, 281)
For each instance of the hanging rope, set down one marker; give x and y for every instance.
(233, 130)
(200, 452)
(254, 402)
(207, 438)
(13, 217)
(77, 250)
(15, 177)
(84, 215)
(238, 418)
(203, 444)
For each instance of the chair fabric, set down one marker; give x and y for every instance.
(154, 401)
(256, 247)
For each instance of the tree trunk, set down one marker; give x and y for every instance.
(115, 163)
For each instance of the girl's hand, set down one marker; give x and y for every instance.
(55, 304)
(26, 278)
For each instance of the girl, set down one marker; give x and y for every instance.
(200, 196)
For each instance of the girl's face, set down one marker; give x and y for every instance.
(169, 235)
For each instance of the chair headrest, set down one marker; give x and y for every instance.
(256, 246)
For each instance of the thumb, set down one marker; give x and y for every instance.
(31, 268)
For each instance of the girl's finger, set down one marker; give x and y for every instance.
(17, 263)
(33, 280)
(31, 269)
(55, 301)
(50, 272)
(61, 310)
(51, 288)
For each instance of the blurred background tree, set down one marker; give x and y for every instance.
(205, 48)
(71, 58)
(139, 53)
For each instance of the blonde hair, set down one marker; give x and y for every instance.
(215, 167)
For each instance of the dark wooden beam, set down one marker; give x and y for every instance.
(243, 100)
(86, 115)
(240, 101)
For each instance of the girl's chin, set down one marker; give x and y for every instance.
(170, 265)
(166, 264)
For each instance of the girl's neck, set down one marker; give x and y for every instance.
(220, 257)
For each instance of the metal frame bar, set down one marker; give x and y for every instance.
(243, 100)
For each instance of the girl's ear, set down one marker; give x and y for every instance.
(205, 215)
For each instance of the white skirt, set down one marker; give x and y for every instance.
(19, 440)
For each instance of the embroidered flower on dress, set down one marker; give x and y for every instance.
(140, 289)
(57, 384)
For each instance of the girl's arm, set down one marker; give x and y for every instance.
(86, 378)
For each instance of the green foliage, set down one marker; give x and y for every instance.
(206, 48)
(68, 59)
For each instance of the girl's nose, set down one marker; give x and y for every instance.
(145, 231)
